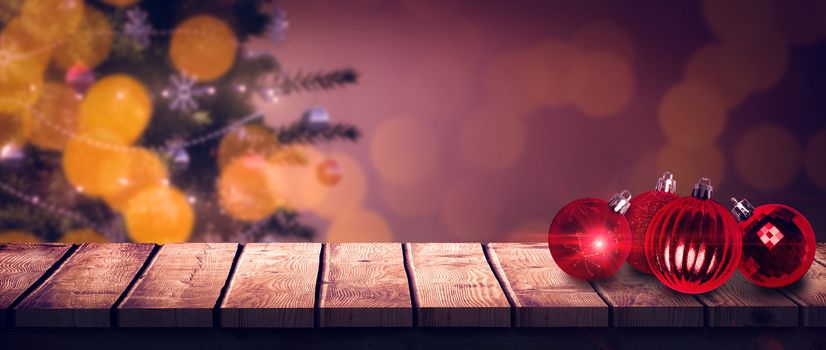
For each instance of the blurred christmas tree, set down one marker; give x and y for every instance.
(125, 120)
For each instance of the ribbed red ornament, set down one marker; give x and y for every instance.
(778, 244)
(642, 210)
(589, 238)
(693, 244)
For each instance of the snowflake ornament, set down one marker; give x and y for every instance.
(277, 30)
(182, 93)
(137, 26)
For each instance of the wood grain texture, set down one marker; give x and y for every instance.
(21, 265)
(180, 288)
(274, 285)
(364, 285)
(453, 286)
(83, 290)
(543, 295)
(639, 300)
(739, 303)
(821, 253)
(810, 293)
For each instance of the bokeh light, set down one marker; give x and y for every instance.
(89, 44)
(767, 157)
(203, 47)
(692, 115)
(815, 166)
(547, 72)
(801, 21)
(410, 200)
(605, 36)
(471, 211)
(15, 236)
(54, 118)
(602, 84)
(705, 67)
(83, 235)
(348, 194)
(404, 150)
(359, 225)
(738, 20)
(756, 65)
(491, 141)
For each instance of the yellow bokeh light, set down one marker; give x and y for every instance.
(815, 166)
(247, 189)
(90, 43)
(602, 84)
(11, 128)
(84, 235)
(692, 115)
(767, 157)
(248, 139)
(54, 118)
(471, 211)
(94, 168)
(22, 59)
(120, 3)
(491, 141)
(404, 150)
(689, 165)
(117, 104)
(360, 225)
(159, 214)
(16, 236)
(203, 47)
(145, 170)
(606, 36)
(51, 21)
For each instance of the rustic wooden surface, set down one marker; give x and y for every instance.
(364, 285)
(180, 287)
(82, 291)
(21, 266)
(810, 294)
(274, 286)
(739, 303)
(821, 253)
(454, 286)
(543, 295)
(639, 300)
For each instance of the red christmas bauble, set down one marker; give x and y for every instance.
(329, 172)
(80, 78)
(642, 210)
(589, 238)
(778, 244)
(693, 244)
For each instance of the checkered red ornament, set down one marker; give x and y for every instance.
(778, 243)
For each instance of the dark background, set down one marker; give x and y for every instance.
(471, 132)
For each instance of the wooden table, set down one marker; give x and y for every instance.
(313, 285)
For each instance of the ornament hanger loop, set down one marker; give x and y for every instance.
(742, 209)
(666, 183)
(703, 189)
(620, 202)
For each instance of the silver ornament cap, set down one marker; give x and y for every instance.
(666, 183)
(742, 209)
(620, 202)
(703, 189)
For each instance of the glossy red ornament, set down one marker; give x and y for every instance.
(642, 210)
(778, 243)
(80, 78)
(329, 172)
(693, 244)
(589, 238)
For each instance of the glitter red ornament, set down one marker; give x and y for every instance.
(693, 244)
(329, 172)
(642, 210)
(589, 238)
(80, 78)
(778, 243)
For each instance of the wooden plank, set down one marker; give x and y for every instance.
(453, 286)
(739, 303)
(810, 293)
(21, 265)
(543, 295)
(84, 289)
(820, 255)
(639, 300)
(364, 285)
(180, 288)
(274, 286)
